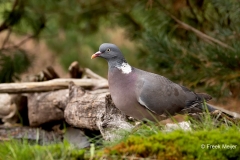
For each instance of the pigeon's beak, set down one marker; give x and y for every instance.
(96, 54)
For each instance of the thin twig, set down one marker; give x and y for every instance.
(19, 44)
(7, 37)
(23, 41)
(201, 34)
(197, 32)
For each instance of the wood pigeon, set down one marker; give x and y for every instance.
(145, 95)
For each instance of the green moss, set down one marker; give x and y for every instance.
(183, 145)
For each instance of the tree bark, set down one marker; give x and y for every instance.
(47, 107)
(84, 107)
(94, 110)
(74, 70)
(112, 120)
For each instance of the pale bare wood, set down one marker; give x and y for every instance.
(55, 84)
(91, 74)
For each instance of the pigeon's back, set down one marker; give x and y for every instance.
(161, 95)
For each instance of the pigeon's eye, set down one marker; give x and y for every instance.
(108, 50)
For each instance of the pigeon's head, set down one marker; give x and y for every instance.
(108, 51)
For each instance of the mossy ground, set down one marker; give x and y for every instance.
(213, 144)
(205, 141)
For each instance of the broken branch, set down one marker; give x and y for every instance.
(55, 84)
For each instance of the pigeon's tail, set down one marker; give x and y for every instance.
(204, 107)
(203, 98)
(197, 107)
(199, 104)
(208, 107)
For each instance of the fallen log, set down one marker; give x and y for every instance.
(94, 110)
(31, 134)
(84, 107)
(51, 85)
(46, 107)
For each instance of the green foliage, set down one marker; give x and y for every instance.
(15, 150)
(12, 63)
(183, 55)
(15, 16)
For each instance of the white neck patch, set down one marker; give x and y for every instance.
(125, 68)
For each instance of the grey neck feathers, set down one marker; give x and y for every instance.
(116, 63)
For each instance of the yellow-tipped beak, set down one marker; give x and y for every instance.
(95, 55)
